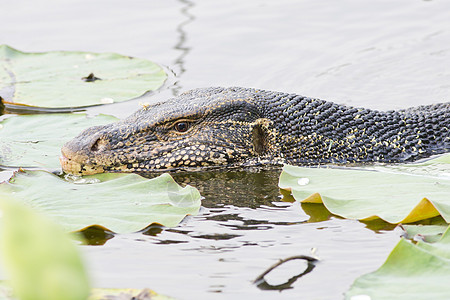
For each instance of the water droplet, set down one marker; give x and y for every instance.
(303, 181)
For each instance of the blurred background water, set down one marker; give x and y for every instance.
(378, 54)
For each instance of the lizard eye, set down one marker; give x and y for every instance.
(182, 126)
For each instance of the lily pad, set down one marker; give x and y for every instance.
(60, 79)
(368, 195)
(427, 233)
(119, 202)
(42, 262)
(36, 140)
(126, 294)
(6, 293)
(436, 167)
(420, 271)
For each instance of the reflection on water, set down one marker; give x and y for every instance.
(240, 188)
(181, 44)
(95, 235)
(2, 106)
(263, 284)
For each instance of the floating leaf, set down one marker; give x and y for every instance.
(101, 294)
(74, 79)
(119, 202)
(436, 167)
(5, 175)
(42, 262)
(367, 195)
(126, 294)
(427, 233)
(36, 140)
(6, 292)
(411, 271)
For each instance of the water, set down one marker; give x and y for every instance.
(242, 229)
(377, 54)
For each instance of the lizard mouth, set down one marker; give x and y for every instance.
(71, 166)
(73, 163)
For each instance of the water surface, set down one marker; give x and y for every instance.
(378, 54)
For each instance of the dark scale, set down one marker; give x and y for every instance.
(334, 122)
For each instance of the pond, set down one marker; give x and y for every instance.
(376, 54)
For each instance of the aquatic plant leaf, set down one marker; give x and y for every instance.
(43, 263)
(101, 294)
(412, 271)
(6, 292)
(427, 233)
(5, 175)
(36, 140)
(367, 194)
(119, 202)
(126, 294)
(60, 79)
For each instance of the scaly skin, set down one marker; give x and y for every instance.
(239, 127)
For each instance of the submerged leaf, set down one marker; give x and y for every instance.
(367, 195)
(411, 271)
(119, 202)
(42, 262)
(74, 79)
(36, 140)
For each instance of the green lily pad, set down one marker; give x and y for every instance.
(427, 233)
(42, 262)
(126, 294)
(60, 79)
(119, 202)
(436, 167)
(420, 271)
(6, 293)
(367, 195)
(36, 140)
